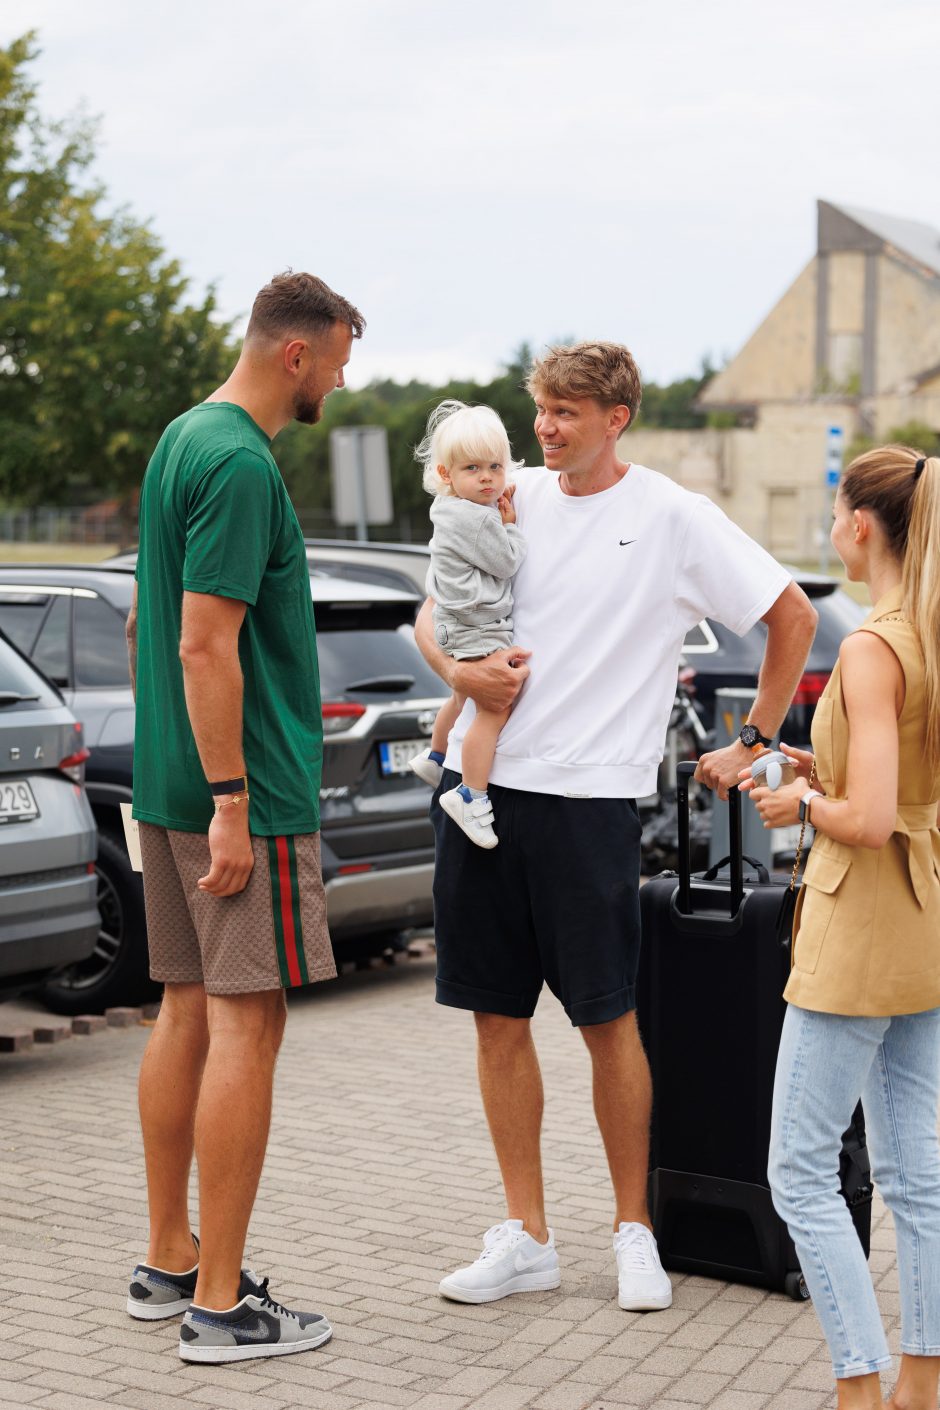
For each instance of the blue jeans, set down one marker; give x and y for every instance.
(825, 1063)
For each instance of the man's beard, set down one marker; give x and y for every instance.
(307, 411)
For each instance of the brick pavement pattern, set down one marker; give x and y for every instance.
(372, 1190)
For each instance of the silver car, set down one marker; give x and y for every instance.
(48, 910)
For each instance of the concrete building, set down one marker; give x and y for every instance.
(854, 343)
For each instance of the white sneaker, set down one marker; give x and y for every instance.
(644, 1285)
(511, 1262)
(473, 815)
(427, 769)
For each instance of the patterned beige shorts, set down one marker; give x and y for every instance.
(272, 935)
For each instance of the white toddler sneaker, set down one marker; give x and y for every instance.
(511, 1262)
(473, 815)
(644, 1285)
(427, 769)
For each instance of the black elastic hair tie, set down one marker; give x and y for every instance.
(918, 468)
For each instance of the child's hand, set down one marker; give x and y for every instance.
(507, 510)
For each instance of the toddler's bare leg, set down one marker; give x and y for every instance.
(479, 746)
(446, 719)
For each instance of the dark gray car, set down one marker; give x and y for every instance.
(48, 915)
(379, 702)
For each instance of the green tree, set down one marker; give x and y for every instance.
(916, 434)
(672, 407)
(99, 348)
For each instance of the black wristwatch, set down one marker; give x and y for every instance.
(752, 738)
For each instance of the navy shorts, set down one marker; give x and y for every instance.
(556, 902)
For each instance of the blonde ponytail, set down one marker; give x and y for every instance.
(902, 486)
(921, 581)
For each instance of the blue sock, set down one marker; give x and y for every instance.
(438, 758)
(470, 795)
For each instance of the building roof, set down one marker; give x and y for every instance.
(846, 227)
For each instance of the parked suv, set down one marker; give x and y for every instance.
(379, 702)
(48, 916)
(717, 656)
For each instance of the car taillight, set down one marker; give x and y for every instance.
(811, 686)
(339, 715)
(73, 765)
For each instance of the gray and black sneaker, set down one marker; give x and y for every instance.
(255, 1326)
(154, 1293)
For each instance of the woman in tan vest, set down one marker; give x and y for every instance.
(863, 1016)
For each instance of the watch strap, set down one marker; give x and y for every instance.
(806, 802)
(230, 785)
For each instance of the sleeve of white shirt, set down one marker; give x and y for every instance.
(723, 574)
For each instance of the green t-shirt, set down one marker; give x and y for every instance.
(215, 518)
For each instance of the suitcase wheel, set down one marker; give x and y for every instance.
(794, 1285)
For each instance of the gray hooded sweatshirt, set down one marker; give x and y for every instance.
(473, 557)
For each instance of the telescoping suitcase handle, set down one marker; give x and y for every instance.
(684, 898)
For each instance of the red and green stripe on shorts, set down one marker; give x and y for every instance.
(285, 904)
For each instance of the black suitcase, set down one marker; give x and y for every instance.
(710, 1009)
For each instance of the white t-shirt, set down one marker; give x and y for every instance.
(610, 586)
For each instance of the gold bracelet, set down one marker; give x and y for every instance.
(231, 800)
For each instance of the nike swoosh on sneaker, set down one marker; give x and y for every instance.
(522, 1263)
(258, 1330)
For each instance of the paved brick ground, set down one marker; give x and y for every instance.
(373, 1187)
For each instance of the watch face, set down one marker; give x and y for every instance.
(749, 735)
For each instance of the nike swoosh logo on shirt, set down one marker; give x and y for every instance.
(522, 1263)
(624, 542)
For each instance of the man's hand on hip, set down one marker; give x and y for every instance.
(494, 682)
(230, 851)
(720, 768)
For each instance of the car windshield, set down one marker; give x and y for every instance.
(355, 661)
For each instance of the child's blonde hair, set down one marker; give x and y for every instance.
(457, 434)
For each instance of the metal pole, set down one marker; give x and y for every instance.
(362, 527)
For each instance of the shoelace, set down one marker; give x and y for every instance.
(496, 1241)
(269, 1302)
(635, 1248)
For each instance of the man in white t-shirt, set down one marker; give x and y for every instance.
(621, 563)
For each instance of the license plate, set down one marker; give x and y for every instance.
(394, 757)
(17, 803)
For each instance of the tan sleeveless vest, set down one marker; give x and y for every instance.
(867, 924)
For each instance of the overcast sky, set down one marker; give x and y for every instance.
(475, 175)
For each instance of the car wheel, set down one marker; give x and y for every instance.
(117, 971)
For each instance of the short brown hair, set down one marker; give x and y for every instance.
(604, 371)
(300, 304)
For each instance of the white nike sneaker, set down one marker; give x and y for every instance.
(473, 815)
(644, 1285)
(427, 769)
(511, 1262)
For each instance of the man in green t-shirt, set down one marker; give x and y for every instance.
(227, 759)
